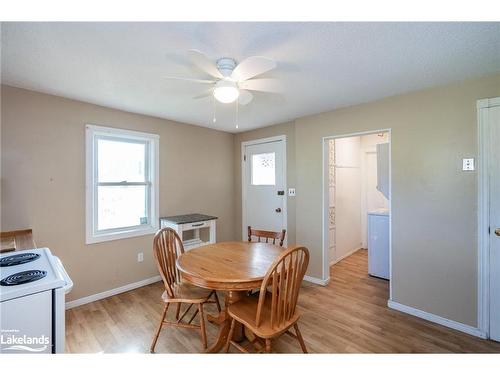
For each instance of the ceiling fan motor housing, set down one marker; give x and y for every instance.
(226, 65)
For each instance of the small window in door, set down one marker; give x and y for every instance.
(263, 169)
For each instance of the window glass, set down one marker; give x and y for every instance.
(121, 206)
(263, 169)
(121, 160)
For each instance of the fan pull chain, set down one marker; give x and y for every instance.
(214, 119)
(237, 113)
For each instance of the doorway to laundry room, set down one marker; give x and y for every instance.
(358, 202)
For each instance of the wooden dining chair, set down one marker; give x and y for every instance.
(167, 246)
(273, 312)
(268, 235)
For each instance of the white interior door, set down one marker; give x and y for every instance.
(264, 196)
(494, 190)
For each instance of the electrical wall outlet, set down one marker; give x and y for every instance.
(140, 257)
(468, 164)
(291, 192)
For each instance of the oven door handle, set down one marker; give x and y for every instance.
(69, 283)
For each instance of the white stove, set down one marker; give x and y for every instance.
(33, 284)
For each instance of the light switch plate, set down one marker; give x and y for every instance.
(291, 192)
(468, 165)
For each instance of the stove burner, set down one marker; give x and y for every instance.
(23, 277)
(14, 260)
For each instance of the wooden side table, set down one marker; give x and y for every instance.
(195, 222)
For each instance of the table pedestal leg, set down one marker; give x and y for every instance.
(225, 323)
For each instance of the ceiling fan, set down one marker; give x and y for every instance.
(231, 81)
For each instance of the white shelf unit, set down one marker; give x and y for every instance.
(331, 200)
(195, 226)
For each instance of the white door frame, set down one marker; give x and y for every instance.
(483, 220)
(244, 230)
(326, 262)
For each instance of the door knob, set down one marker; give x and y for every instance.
(497, 231)
(279, 210)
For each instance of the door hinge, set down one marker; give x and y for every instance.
(244, 158)
(489, 230)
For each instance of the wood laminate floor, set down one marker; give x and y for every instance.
(350, 315)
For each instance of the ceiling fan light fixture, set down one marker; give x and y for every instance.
(226, 91)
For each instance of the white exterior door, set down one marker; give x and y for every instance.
(264, 195)
(494, 240)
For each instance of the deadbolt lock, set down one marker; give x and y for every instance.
(497, 231)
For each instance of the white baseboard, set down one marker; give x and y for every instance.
(316, 280)
(151, 280)
(345, 256)
(437, 319)
(112, 292)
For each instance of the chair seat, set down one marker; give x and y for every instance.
(188, 293)
(245, 311)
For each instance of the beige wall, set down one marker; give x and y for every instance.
(433, 202)
(43, 182)
(287, 129)
(347, 197)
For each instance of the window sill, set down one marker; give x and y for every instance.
(119, 235)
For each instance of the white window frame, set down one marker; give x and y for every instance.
(92, 133)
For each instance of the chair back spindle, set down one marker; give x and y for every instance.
(167, 246)
(283, 279)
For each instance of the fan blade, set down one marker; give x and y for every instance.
(251, 67)
(262, 84)
(245, 97)
(204, 63)
(196, 80)
(204, 94)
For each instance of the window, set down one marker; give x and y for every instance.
(121, 183)
(263, 172)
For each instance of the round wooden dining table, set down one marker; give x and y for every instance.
(230, 267)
